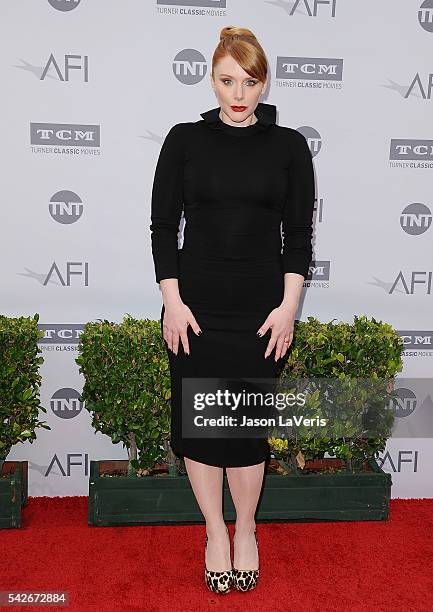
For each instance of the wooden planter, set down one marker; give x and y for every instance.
(163, 499)
(13, 492)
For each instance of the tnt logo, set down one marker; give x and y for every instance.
(64, 5)
(66, 207)
(189, 66)
(312, 137)
(66, 404)
(425, 15)
(416, 219)
(404, 402)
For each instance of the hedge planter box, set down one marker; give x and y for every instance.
(162, 499)
(340, 496)
(13, 492)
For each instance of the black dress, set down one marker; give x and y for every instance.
(235, 185)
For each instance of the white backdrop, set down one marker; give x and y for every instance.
(90, 88)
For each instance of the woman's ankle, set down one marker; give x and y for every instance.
(245, 527)
(216, 528)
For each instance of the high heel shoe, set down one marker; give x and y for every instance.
(218, 582)
(246, 580)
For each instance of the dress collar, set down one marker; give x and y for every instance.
(266, 115)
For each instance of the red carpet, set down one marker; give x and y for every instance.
(364, 566)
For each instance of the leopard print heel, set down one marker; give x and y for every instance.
(218, 582)
(246, 580)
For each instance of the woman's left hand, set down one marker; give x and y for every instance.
(281, 320)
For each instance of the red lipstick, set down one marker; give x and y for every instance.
(238, 109)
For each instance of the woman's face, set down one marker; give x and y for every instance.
(238, 93)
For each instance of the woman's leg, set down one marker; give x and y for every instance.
(245, 485)
(207, 485)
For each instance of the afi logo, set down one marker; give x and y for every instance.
(71, 460)
(311, 6)
(409, 284)
(423, 88)
(70, 62)
(396, 463)
(83, 271)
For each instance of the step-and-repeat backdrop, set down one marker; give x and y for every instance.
(90, 89)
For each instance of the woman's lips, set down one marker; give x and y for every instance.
(238, 109)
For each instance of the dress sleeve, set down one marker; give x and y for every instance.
(297, 221)
(166, 206)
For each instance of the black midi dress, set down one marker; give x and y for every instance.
(237, 188)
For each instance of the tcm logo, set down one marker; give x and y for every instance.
(60, 333)
(189, 66)
(65, 134)
(202, 3)
(396, 461)
(425, 15)
(412, 150)
(69, 63)
(64, 5)
(417, 339)
(415, 219)
(312, 137)
(308, 7)
(66, 207)
(66, 404)
(79, 462)
(309, 68)
(319, 270)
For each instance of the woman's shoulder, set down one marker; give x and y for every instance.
(289, 133)
(180, 132)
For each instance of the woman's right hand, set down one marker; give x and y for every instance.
(177, 316)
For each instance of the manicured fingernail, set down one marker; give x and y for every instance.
(258, 333)
(199, 331)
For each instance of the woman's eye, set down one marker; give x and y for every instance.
(251, 82)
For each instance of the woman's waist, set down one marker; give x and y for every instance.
(256, 262)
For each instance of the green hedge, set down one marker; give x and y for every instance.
(19, 381)
(127, 387)
(366, 349)
(127, 382)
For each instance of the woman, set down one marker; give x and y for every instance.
(230, 295)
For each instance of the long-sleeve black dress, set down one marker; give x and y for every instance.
(235, 186)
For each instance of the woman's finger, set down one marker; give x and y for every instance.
(280, 346)
(185, 343)
(287, 342)
(271, 344)
(175, 342)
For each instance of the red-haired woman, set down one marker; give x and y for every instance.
(231, 293)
